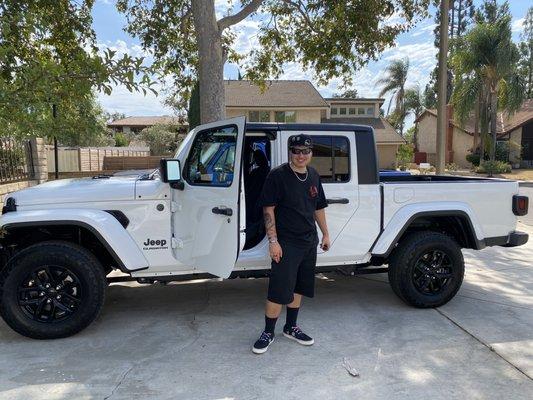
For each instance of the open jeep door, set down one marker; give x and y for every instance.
(209, 220)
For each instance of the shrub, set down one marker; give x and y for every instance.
(452, 167)
(121, 140)
(473, 159)
(162, 139)
(493, 167)
(404, 155)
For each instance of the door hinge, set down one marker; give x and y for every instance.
(177, 243)
(174, 206)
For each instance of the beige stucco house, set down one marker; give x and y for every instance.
(517, 127)
(288, 101)
(298, 101)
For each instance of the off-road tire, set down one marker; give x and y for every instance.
(402, 264)
(73, 257)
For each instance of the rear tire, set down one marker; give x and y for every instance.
(51, 290)
(426, 269)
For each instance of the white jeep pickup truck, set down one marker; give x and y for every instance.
(196, 217)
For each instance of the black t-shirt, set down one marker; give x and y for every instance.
(295, 201)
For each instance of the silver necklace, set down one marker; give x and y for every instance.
(300, 179)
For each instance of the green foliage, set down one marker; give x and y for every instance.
(494, 167)
(473, 158)
(49, 55)
(525, 67)
(410, 135)
(347, 94)
(404, 155)
(484, 62)
(194, 107)
(331, 38)
(162, 139)
(395, 119)
(394, 81)
(121, 140)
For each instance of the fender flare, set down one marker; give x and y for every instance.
(401, 220)
(102, 224)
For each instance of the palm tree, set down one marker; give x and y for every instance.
(414, 103)
(394, 82)
(485, 66)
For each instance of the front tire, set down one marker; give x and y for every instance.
(51, 290)
(426, 269)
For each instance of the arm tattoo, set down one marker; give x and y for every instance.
(270, 224)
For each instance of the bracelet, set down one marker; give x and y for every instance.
(274, 240)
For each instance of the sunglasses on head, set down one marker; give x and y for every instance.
(294, 150)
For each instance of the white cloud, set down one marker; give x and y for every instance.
(518, 25)
(121, 47)
(134, 103)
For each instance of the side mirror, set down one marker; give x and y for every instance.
(171, 172)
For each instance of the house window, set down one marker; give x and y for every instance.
(259, 116)
(334, 111)
(361, 111)
(351, 111)
(285, 116)
(331, 158)
(370, 111)
(343, 111)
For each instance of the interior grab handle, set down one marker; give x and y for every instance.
(338, 200)
(222, 210)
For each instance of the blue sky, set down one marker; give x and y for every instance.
(416, 44)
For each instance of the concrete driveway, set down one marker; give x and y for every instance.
(192, 341)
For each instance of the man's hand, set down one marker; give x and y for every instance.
(275, 251)
(325, 244)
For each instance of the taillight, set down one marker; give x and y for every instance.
(520, 205)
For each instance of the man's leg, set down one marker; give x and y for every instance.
(292, 311)
(272, 311)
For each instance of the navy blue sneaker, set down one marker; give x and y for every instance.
(295, 333)
(261, 345)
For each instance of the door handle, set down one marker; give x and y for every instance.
(223, 211)
(337, 200)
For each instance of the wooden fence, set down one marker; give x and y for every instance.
(125, 163)
(82, 159)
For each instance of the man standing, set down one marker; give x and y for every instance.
(292, 200)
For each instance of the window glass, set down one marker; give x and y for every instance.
(370, 111)
(285, 116)
(331, 158)
(253, 116)
(334, 111)
(212, 157)
(361, 111)
(259, 116)
(343, 111)
(264, 116)
(351, 110)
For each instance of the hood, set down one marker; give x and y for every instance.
(77, 191)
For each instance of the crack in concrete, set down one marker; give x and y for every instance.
(119, 383)
(479, 340)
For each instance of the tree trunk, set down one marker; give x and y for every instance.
(476, 125)
(493, 115)
(452, 22)
(211, 61)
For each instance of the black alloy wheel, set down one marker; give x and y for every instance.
(432, 272)
(50, 294)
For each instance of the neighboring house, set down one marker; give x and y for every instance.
(365, 111)
(294, 101)
(517, 127)
(282, 101)
(137, 124)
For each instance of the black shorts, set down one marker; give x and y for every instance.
(295, 273)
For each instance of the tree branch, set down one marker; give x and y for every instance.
(230, 20)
